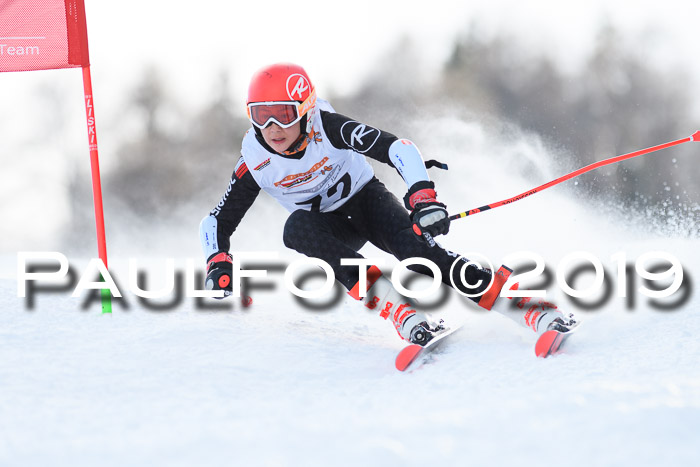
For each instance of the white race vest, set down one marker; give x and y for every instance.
(322, 180)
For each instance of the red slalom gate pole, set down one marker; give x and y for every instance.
(694, 137)
(96, 184)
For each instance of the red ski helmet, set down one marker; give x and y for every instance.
(281, 93)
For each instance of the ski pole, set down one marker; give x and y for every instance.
(576, 173)
(694, 137)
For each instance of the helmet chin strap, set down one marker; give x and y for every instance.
(298, 146)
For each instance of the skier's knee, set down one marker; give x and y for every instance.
(494, 282)
(471, 280)
(293, 228)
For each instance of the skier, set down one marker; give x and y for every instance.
(312, 161)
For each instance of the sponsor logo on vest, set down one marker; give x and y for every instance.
(263, 165)
(299, 179)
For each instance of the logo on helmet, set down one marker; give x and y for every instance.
(300, 86)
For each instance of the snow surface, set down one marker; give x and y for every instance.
(277, 384)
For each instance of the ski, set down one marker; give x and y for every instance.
(412, 353)
(551, 341)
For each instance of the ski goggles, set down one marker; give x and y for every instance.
(284, 114)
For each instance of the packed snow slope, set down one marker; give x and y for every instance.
(280, 384)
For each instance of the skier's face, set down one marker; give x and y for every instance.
(280, 139)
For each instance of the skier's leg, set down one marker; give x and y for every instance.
(389, 227)
(412, 325)
(384, 221)
(371, 209)
(530, 312)
(330, 237)
(327, 236)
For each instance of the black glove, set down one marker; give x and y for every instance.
(427, 214)
(219, 271)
